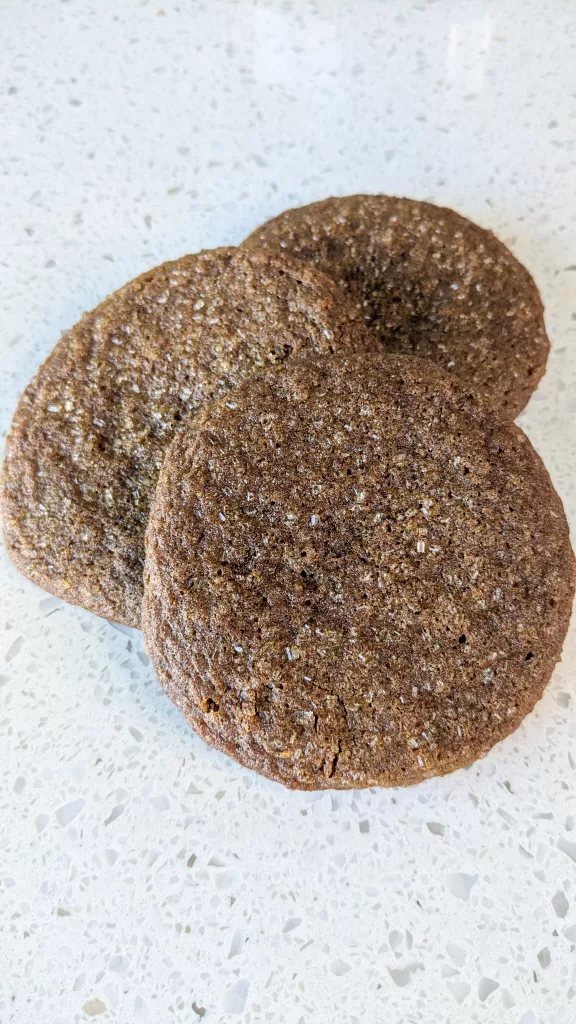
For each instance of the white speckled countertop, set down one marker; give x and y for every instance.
(144, 877)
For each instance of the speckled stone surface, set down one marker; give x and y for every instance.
(143, 876)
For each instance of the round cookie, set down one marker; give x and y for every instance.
(90, 432)
(355, 575)
(430, 283)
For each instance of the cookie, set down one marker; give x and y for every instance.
(90, 432)
(430, 283)
(355, 575)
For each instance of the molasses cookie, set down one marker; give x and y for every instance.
(355, 576)
(91, 430)
(430, 283)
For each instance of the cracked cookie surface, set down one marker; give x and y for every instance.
(429, 283)
(355, 575)
(91, 429)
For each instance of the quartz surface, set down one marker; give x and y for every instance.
(143, 876)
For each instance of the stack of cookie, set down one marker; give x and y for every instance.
(294, 464)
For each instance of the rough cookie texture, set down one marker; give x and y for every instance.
(91, 430)
(430, 283)
(355, 575)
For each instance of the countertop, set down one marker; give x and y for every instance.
(143, 876)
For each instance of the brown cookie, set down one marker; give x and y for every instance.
(430, 283)
(90, 432)
(355, 575)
